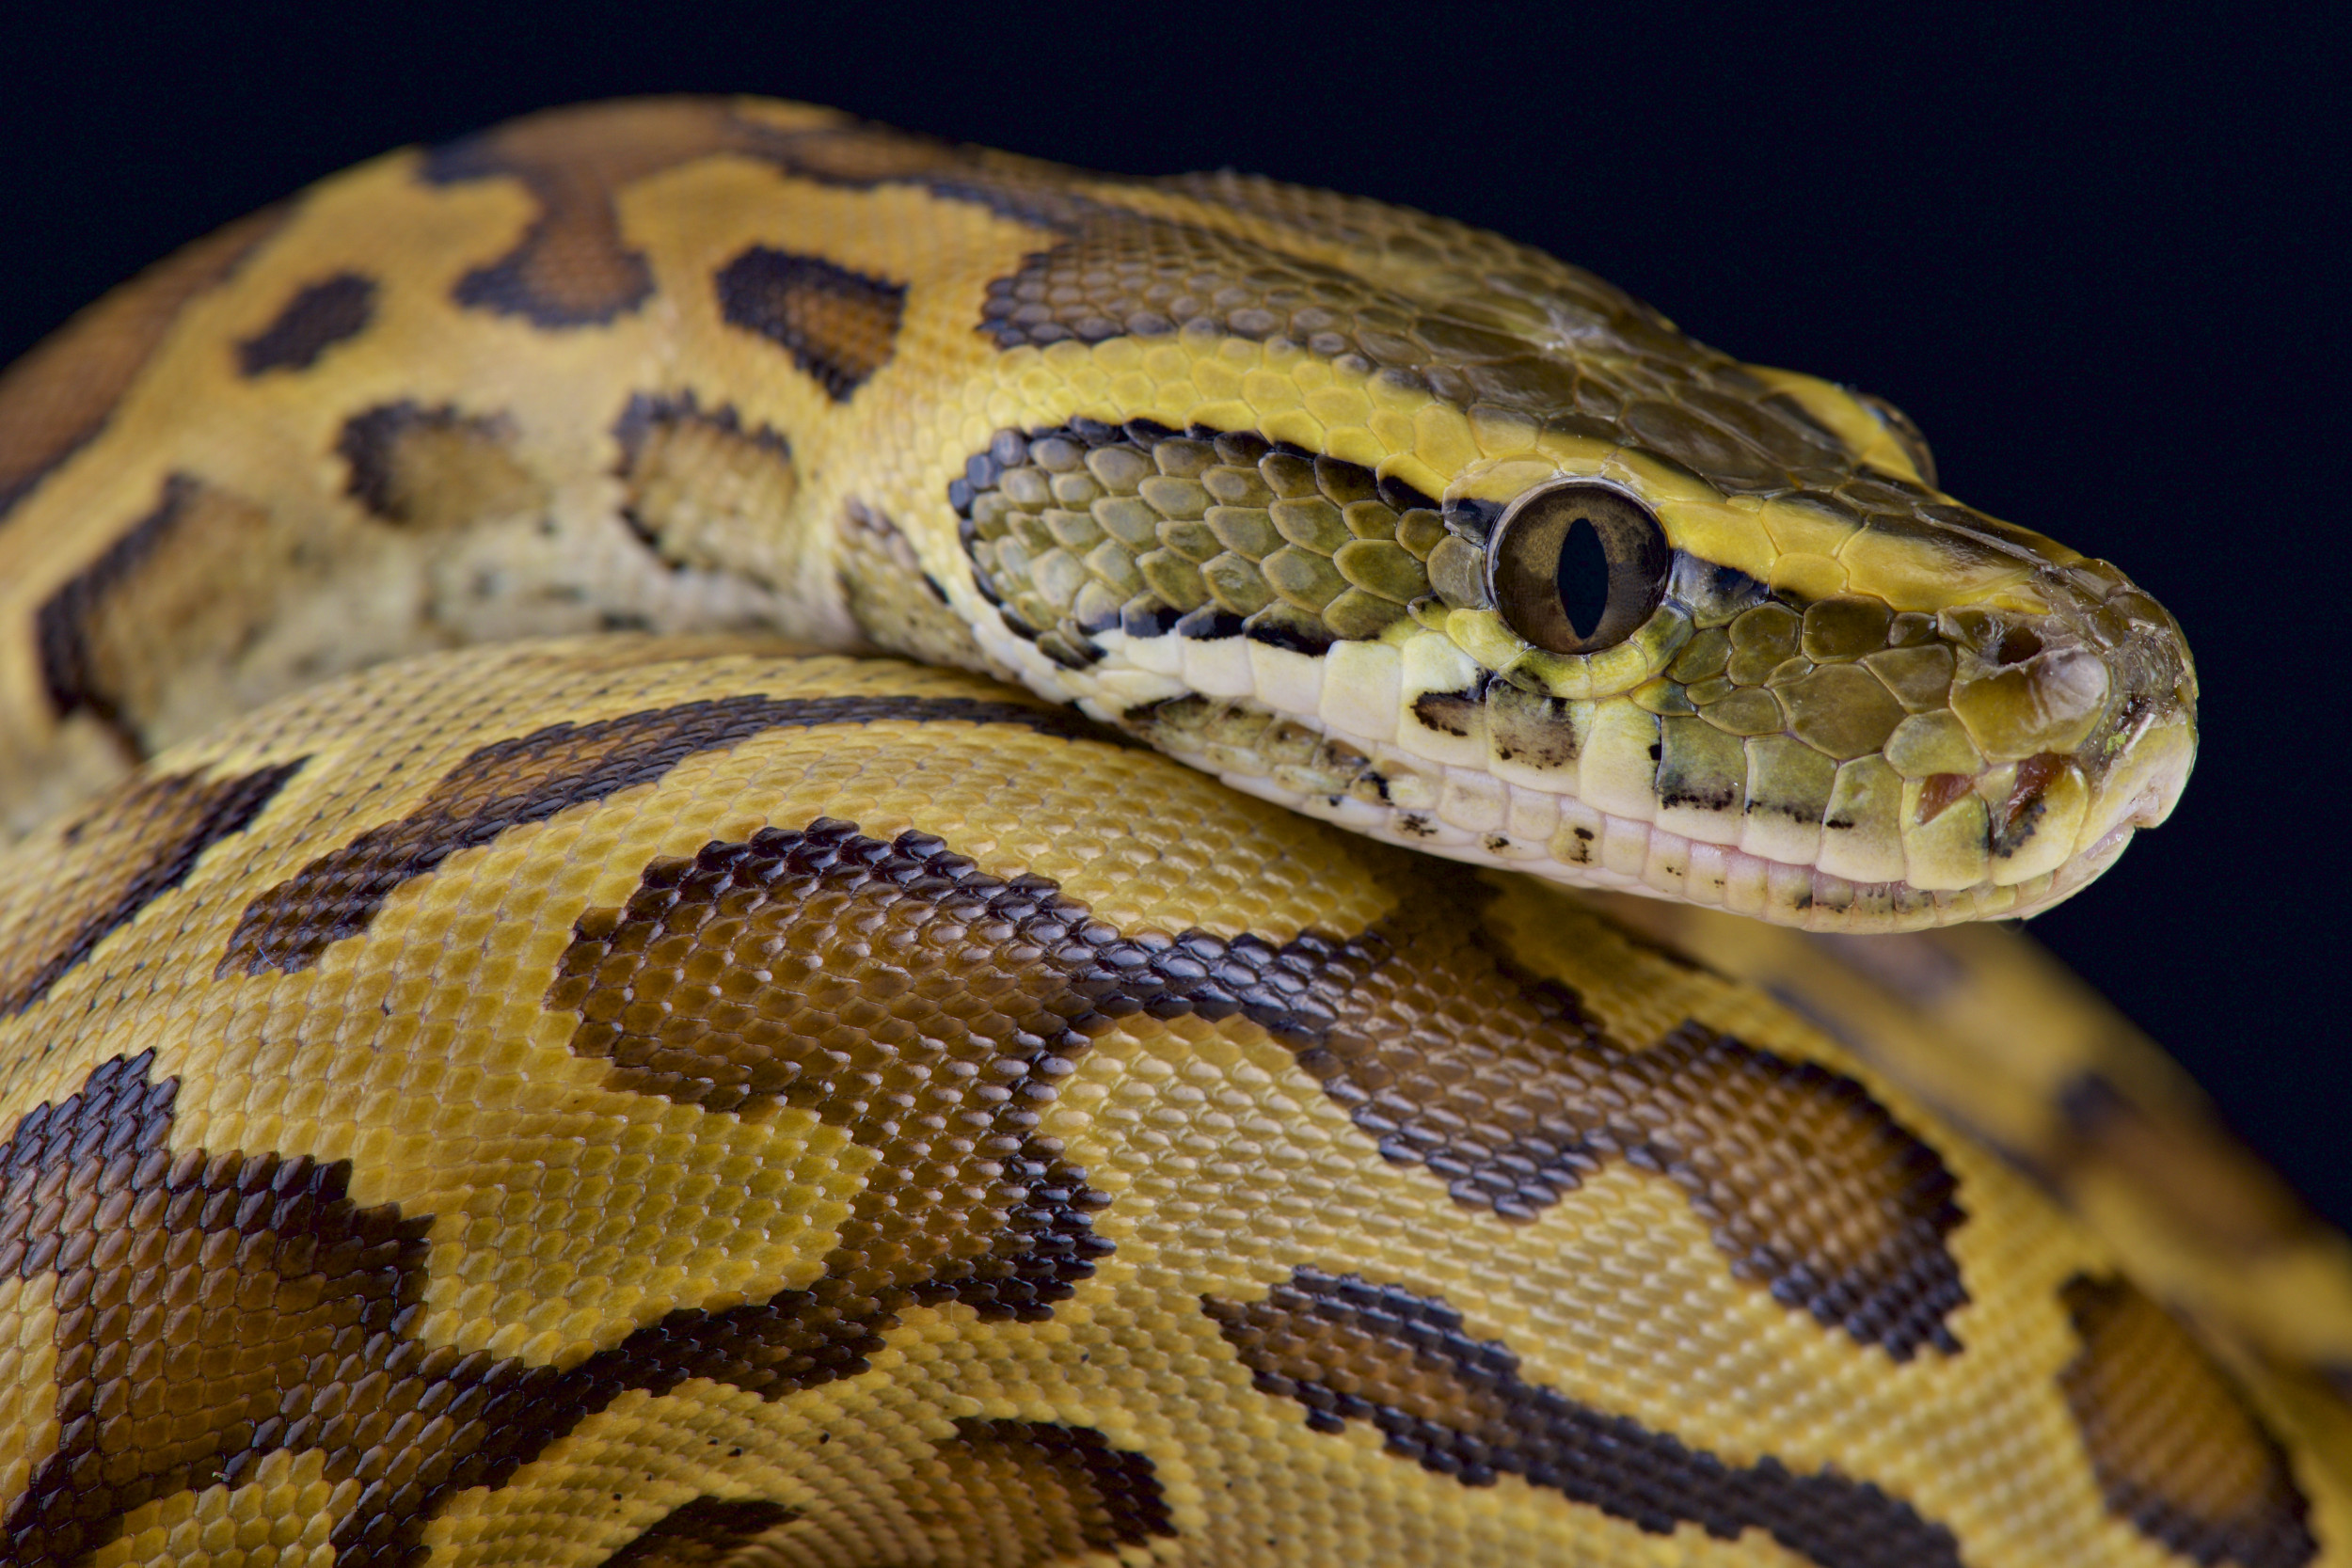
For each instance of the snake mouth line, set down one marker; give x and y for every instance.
(1623, 855)
(1465, 813)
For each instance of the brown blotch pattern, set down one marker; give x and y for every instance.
(1501, 1085)
(693, 480)
(894, 991)
(1348, 1349)
(318, 317)
(819, 967)
(573, 267)
(1020, 1494)
(214, 1308)
(134, 845)
(1938, 791)
(840, 327)
(529, 779)
(1454, 713)
(2015, 822)
(436, 469)
(702, 1532)
(153, 603)
(2179, 1451)
(57, 398)
(807, 967)
(1010, 1493)
(210, 1308)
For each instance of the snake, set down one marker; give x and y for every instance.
(734, 838)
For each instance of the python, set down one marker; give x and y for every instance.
(524, 1039)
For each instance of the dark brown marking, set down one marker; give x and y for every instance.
(572, 266)
(317, 318)
(1533, 728)
(2179, 1450)
(649, 416)
(209, 1309)
(2013, 821)
(931, 955)
(1022, 1493)
(529, 779)
(155, 601)
(702, 1533)
(212, 1308)
(688, 474)
(839, 325)
(62, 627)
(894, 990)
(56, 399)
(1350, 1349)
(1439, 1049)
(1452, 713)
(1498, 1082)
(1939, 791)
(1054, 1493)
(133, 846)
(433, 469)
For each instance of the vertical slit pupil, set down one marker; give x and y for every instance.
(1583, 575)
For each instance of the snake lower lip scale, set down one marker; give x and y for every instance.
(523, 1040)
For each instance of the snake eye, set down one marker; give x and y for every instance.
(1578, 567)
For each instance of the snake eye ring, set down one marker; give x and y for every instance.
(1578, 566)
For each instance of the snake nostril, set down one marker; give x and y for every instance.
(2019, 644)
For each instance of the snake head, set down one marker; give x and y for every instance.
(1834, 698)
(1466, 549)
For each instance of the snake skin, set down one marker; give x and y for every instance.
(480, 1084)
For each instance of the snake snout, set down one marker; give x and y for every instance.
(1846, 767)
(2084, 686)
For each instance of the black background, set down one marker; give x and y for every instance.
(2097, 259)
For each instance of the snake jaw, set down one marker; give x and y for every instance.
(1834, 764)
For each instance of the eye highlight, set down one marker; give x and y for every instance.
(1577, 567)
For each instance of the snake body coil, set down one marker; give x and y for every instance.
(480, 1084)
